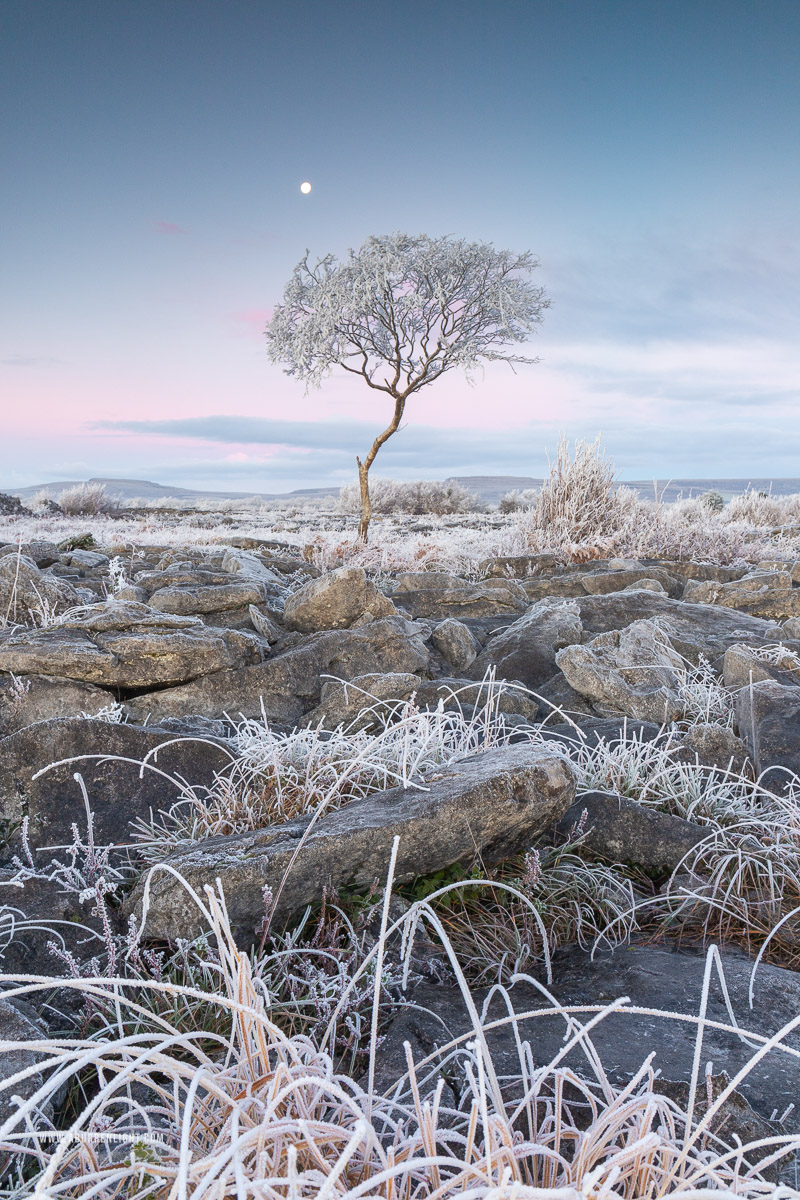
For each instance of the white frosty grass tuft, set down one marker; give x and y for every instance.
(276, 776)
(242, 1109)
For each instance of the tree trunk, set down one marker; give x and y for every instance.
(363, 468)
(366, 505)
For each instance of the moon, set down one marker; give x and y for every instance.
(305, 188)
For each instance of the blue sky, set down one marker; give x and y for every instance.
(151, 213)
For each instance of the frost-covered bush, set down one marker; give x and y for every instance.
(43, 504)
(578, 501)
(712, 501)
(518, 500)
(419, 497)
(87, 500)
(761, 509)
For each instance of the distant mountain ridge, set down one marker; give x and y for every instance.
(145, 489)
(490, 488)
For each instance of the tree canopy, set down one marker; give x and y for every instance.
(401, 312)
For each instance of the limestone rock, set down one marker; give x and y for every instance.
(87, 560)
(621, 830)
(30, 698)
(768, 718)
(249, 566)
(264, 625)
(767, 594)
(43, 553)
(519, 566)
(468, 696)
(57, 915)
(335, 601)
(455, 643)
(714, 746)
(667, 980)
(491, 804)
(117, 795)
(26, 592)
(527, 649)
(693, 629)
(127, 645)
(434, 594)
(361, 703)
(743, 666)
(602, 580)
(177, 574)
(633, 671)
(184, 599)
(17, 1027)
(555, 695)
(288, 684)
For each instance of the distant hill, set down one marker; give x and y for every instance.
(490, 488)
(143, 489)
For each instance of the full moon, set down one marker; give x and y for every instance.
(305, 188)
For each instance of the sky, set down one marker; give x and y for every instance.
(647, 151)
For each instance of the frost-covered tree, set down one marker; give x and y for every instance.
(401, 312)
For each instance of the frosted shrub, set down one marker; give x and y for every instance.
(519, 500)
(760, 509)
(712, 502)
(418, 497)
(43, 503)
(578, 502)
(87, 500)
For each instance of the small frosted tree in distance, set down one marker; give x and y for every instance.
(401, 312)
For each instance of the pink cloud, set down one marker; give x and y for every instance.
(167, 228)
(256, 318)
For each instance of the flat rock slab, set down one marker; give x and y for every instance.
(216, 597)
(600, 582)
(665, 979)
(127, 645)
(491, 597)
(117, 795)
(763, 594)
(289, 684)
(494, 804)
(23, 701)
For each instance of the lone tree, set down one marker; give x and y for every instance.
(401, 312)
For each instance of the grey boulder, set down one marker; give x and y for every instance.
(25, 592)
(743, 665)
(98, 750)
(768, 719)
(455, 643)
(30, 698)
(492, 804)
(361, 703)
(527, 649)
(335, 601)
(633, 671)
(714, 746)
(667, 980)
(621, 830)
